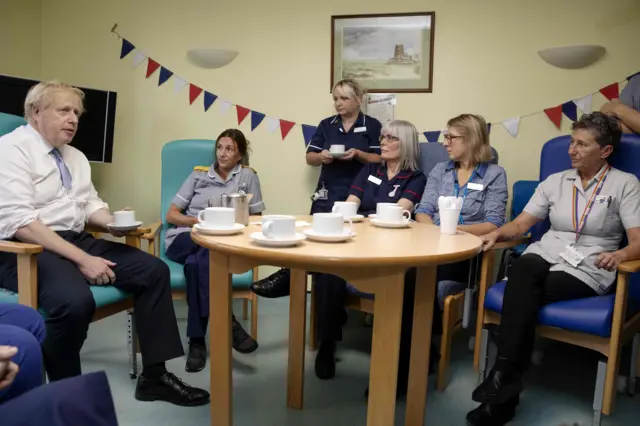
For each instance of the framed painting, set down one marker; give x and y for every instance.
(387, 53)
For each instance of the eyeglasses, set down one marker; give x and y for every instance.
(449, 137)
(389, 138)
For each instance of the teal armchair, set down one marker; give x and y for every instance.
(109, 300)
(178, 160)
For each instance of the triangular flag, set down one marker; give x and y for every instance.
(432, 136)
(242, 113)
(308, 132)
(138, 58)
(611, 91)
(152, 66)
(584, 103)
(512, 125)
(272, 124)
(555, 115)
(569, 109)
(488, 127)
(256, 119)
(165, 75)
(127, 48)
(285, 127)
(178, 84)
(194, 92)
(224, 106)
(209, 99)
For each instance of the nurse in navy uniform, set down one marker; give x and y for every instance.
(360, 135)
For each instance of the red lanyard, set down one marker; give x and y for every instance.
(579, 226)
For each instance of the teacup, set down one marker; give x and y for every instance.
(336, 149)
(279, 227)
(330, 224)
(124, 218)
(345, 208)
(217, 217)
(388, 212)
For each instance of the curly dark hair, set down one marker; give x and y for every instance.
(604, 128)
(241, 143)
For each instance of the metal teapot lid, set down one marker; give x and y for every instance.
(239, 194)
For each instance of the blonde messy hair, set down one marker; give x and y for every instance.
(42, 94)
(350, 88)
(473, 128)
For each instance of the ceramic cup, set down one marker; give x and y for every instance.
(217, 217)
(124, 218)
(345, 208)
(388, 212)
(330, 224)
(279, 227)
(336, 149)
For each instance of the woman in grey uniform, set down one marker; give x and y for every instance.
(228, 174)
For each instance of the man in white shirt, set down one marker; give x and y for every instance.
(47, 198)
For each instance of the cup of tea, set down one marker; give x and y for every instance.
(345, 208)
(392, 213)
(279, 227)
(330, 224)
(217, 217)
(124, 218)
(336, 149)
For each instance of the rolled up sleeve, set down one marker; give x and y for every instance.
(495, 204)
(16, 192)
(429, 203)
(94, 203)
(538, 205)
(256, 205)
(185, 193)
(630, 204)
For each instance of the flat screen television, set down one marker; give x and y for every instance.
(95, 129)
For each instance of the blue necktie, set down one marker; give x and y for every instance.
(65, 175)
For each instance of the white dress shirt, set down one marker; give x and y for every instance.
(31, 185)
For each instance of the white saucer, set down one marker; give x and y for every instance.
(392, 225)
(338, 154)
(124, 228)
(259, 238)
(235, 229)
(344, 236)
(355, 219)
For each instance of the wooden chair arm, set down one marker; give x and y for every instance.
(629, 267)
(512, 243)
(153, 231)
(19, 248)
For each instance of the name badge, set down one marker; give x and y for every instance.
(603, 199)
(475, 186)
(375, 180)
(572, 256)
(359, 129)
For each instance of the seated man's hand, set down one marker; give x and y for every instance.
(97, 270)
(8, 369)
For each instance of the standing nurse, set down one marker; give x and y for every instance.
(360, 135)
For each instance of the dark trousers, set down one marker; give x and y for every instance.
(196, 271)
(64, 294)
(531, 285)
(23, 328)
(77, 401)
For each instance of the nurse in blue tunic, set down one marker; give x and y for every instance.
(360, 135)
(395, 180)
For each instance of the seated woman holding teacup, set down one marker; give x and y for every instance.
(396, 180)
(228, 174)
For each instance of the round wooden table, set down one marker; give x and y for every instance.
(375, 261)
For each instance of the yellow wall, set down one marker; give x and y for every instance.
(20, 38)
(485, 62)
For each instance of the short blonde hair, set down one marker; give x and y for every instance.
(408, 135)
(473, 128)
(350, 88)
(42, 94)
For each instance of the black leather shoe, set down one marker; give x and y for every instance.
(501, 385)
(170, 389)
(196, 357)
(493, 415)
(274, 286)
(241, 340)
(325, 361)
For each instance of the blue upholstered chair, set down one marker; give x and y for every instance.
(109, 300)
(604, 323)
(178, 160)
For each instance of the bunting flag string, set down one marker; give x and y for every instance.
(568, 108)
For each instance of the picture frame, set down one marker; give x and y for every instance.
(387, 53)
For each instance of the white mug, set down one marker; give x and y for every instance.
(345, 208)
(279, 227)
(330, 224)
(392, 213)
(336, 149)
(217, 217)
(124, 217)
(380, 206)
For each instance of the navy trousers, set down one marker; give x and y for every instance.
(23, 328)
(78, 401)
(196, 272)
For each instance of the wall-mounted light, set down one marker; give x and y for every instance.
(211, 58)
(572, 57)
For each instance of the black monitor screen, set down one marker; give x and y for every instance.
(95, 129)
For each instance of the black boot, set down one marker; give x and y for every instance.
(274, 286)
(326, 361)
(196, 356)
(241, 340)
(493, 415)
(503, 383)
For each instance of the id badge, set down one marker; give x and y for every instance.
(572, 256)
(323, 194)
